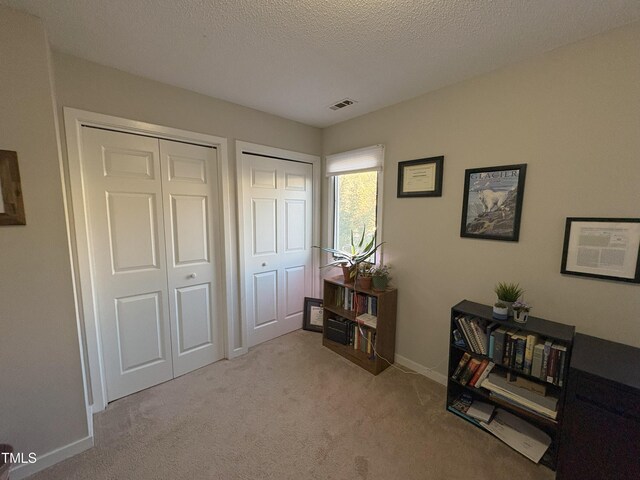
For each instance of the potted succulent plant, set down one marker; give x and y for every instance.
(521, 311)
(500, 311)
(359, 251)
(508, 293)
(365, 275)
(380, 277)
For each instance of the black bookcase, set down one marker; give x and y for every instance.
(545, 330)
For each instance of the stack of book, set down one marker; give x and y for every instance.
(521, 396)
(519, 350)
(477, 410)
(472, 371)
(515, 432)
(348, 299)
(474, 334)
(527, 353)
(363, 339)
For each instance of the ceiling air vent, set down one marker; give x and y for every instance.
(342, 103)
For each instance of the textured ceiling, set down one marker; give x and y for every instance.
(294, 58)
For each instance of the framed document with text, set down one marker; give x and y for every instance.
(420, 178)
(605, 248)
(312, 316)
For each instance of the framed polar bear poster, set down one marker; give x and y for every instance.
(492, 203)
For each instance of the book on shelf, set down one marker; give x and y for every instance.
(492, 345)
(461, 364)
(552, 364)
(498, 345)
(562, 360)
(485, 373)
(464, 329)
(477, 410)
(545, 359)
(520, 342)
(478, 334)
(474, 334)
(469, 370)
(555, 371)
(532, 340)
(481, 368)
(536, 363)
(462, 403)
(490, 327)
(536, 387)
(481, 411)
(518, 434)
(368, 319)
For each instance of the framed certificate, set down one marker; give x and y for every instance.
(420, 178)
(312, 317)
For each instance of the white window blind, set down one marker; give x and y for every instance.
(353, 161)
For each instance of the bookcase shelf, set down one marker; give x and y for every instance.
(385, 331)
(559, 337)
(519, 372)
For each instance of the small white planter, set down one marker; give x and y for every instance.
(500, 313)
(520, 316)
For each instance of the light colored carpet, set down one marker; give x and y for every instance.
(291, 409)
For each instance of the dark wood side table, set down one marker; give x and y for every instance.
(600, 436)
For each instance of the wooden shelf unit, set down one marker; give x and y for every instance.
(385, 343)
(563, 334)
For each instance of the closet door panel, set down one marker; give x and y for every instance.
(126, 223)
(190, 186)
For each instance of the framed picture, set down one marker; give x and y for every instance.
(420, 178)
(607, 248)
(492, 202)
(11, 206)
(312, 317)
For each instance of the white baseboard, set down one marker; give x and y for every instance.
(416, 367)
(43, 461)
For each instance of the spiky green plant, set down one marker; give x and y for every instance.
(508, 292)
(358, 252)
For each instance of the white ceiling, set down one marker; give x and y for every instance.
(294, 58)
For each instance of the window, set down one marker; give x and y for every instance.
(356, 201)
(355, 178)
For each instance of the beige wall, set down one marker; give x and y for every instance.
(96, 88)
(89, 86)
(41, 392)
(572, 115)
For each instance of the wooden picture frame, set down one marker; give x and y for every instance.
(11, 205)
(604, 248)
(421, 177)
(492, 202)
(312, 316)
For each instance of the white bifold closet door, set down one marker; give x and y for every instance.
(152, 206)
(277, 229)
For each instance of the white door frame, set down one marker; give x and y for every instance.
(85, 286)
(281, 154)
